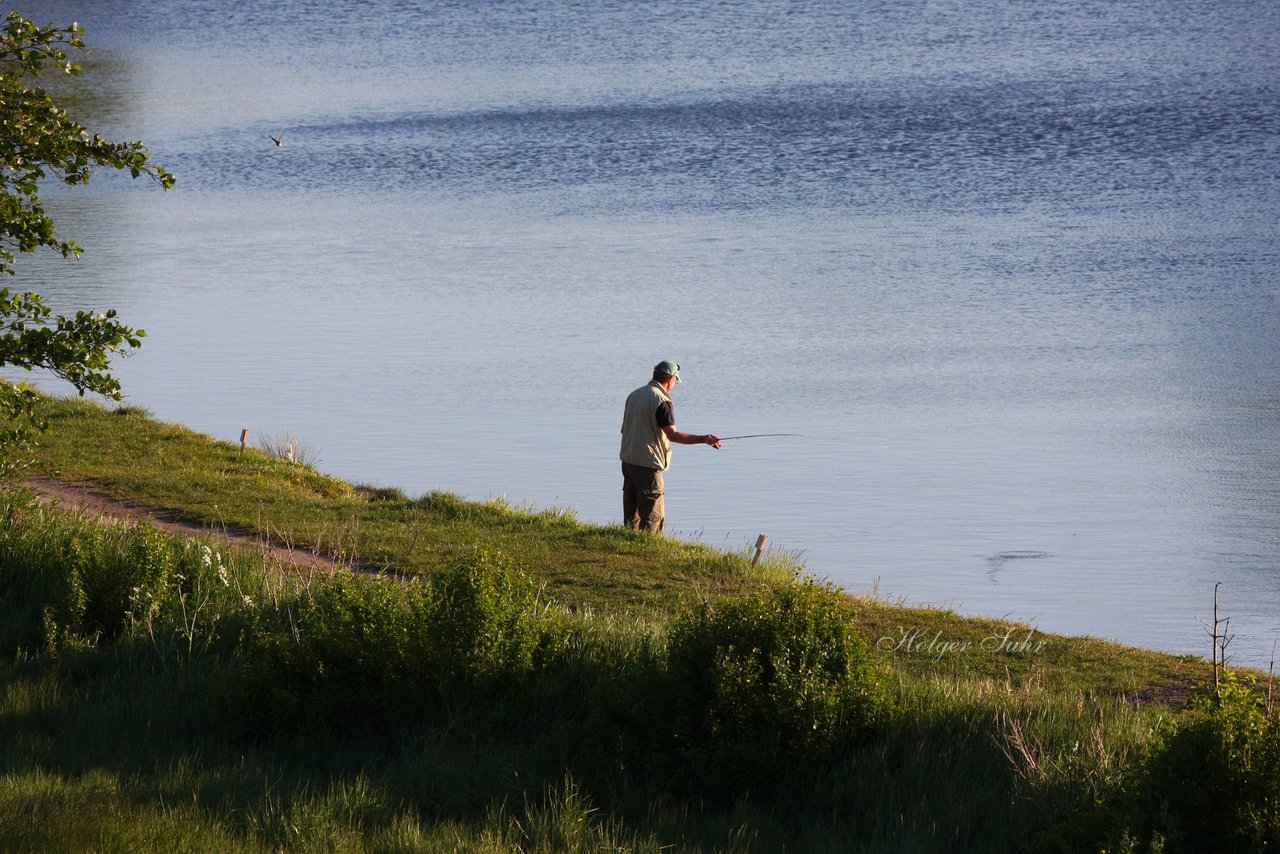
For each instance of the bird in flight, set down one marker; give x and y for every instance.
(279, 142)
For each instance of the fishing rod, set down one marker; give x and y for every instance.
(756, 436)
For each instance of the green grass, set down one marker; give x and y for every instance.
(121, 727)
(604, 568)
(117, 752)
(930, 642)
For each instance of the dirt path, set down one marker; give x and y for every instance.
(96, 503)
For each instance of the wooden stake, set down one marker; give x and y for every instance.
(244, 439)
(760, 543)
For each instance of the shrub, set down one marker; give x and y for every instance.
(778, 678)
(338, 655)
(1215, 783)
(483, 625)
(359, 651)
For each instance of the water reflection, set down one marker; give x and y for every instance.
(997, 562)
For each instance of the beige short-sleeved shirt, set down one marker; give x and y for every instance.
(643, 441)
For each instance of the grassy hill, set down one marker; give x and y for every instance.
(519, 680)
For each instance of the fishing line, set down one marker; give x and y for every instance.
(757, 436)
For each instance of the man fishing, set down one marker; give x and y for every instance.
(648, 429)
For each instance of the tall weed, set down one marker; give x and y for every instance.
(71, 581)
(74, 582)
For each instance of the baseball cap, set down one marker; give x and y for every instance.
(667, 369)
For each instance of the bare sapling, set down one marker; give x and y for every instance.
(1271, 680)
(1220, 636)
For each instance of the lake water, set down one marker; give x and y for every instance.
(1010, 268)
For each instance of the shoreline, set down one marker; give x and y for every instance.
(124, 464)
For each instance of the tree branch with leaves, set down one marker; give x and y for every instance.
(40, 142)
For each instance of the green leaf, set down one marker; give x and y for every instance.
(38, 140)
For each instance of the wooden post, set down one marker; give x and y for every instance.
(244, 439)
(760, 544)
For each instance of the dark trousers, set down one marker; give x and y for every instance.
(642, 506)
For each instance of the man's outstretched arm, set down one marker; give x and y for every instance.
(690, 438)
